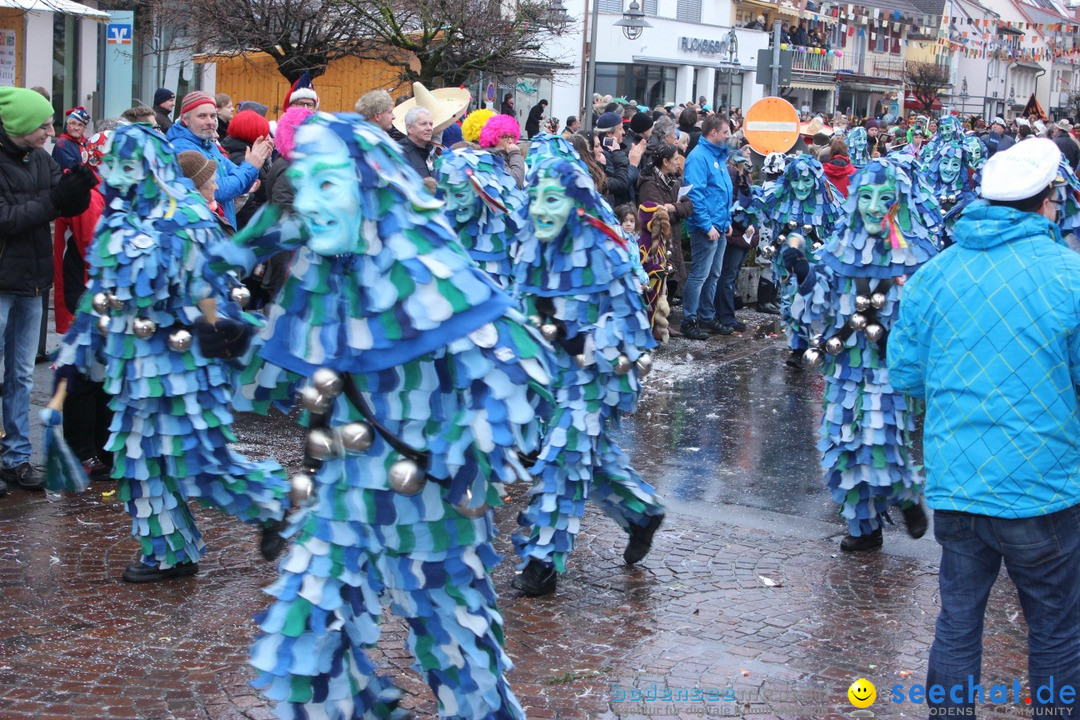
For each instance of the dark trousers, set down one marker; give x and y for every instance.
(86, 420)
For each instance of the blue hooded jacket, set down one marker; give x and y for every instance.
(706, 170)
(233, 180)
(989, 334)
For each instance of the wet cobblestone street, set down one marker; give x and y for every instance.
(745, 587)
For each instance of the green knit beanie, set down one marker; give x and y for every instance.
(23, 111)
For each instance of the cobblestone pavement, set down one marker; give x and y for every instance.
(757, 609)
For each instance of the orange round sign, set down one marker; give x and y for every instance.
(771, 125)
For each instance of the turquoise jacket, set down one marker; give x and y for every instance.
(706, 170)
(989, 334)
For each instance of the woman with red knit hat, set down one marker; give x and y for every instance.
(245, 128)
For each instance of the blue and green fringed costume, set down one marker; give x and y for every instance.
(483, 200)
(866, 425)
(858, 143)
(779, 207)
(449, 368)
(171, 425)
(953, 195)
(584, 281)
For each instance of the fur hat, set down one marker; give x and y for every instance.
(196, 166)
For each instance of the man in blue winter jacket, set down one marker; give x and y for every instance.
(989, 334)
(709, 225)
(196, 130)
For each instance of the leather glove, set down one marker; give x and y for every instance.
(795, 262)
(224, 339)
(71, 196)
(574, 345)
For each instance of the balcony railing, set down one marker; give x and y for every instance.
(813, 63)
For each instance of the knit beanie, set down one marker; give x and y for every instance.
(248, 126)
(608, 122)
(23, 111)
(80, 114)
(196, 166)
(163, 95)
(254, 106)
(194, 99)
(641, 122)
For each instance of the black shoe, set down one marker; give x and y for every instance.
(861, 543)
(641, 540)
(675, 301)
(769, 309)
(270, 541)
(25, 476)
(726, 329)
(711, 326)
(536, 579)
(693, 330)
(915, 519)
(97, 470)
(738, 326)
(795, 359)
(139, 572)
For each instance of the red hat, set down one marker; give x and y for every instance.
(194, 99)
(248, 126)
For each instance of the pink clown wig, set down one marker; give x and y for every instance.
(496, 127)
(293, 118)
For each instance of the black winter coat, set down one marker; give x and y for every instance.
(237, 150)
(26, 247)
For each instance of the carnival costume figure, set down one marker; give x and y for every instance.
(1067, 192)
(423, 385)
(850, 297)
(482, 204)
(653, 244)
(170, 432)
(975, 158)
(946, 171)
(858, 143)
(574, 276)
(802, 200)
(950, 132)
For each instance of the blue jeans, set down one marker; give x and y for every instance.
(1042, 556)
(20, 326)
(706, 259)
(725, 287)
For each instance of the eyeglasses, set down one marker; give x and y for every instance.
(303, 103)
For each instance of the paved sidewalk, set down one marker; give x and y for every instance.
(758, 610)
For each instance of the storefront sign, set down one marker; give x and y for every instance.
(7, 58)
(703, 46)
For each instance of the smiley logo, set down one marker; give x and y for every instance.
(862, 693)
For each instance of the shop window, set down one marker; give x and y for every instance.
(895, 49)
(650, 85)
(65, 75)
(688, 11)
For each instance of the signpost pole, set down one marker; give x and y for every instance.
(774, 87)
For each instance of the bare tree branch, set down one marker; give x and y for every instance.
(925, 80)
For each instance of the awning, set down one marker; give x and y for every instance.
(811, 85)
(913, 103)
(64, 7)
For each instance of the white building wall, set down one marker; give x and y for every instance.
(38, 51)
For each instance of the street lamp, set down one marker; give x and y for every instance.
(963, 95)
(632, 24)
(557, 12)
(729, 63)
(633, 21)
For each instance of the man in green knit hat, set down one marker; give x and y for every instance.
(33, 193)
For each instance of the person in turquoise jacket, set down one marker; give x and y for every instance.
(989, 335)
(710, 224)
(196, 130)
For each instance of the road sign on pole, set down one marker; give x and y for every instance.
(772, 125)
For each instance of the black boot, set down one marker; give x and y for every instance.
(536, 579)
(862, 543)
(270, 541)
(139, 572)
(641, 540)
(915, 519)
(795, 359)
